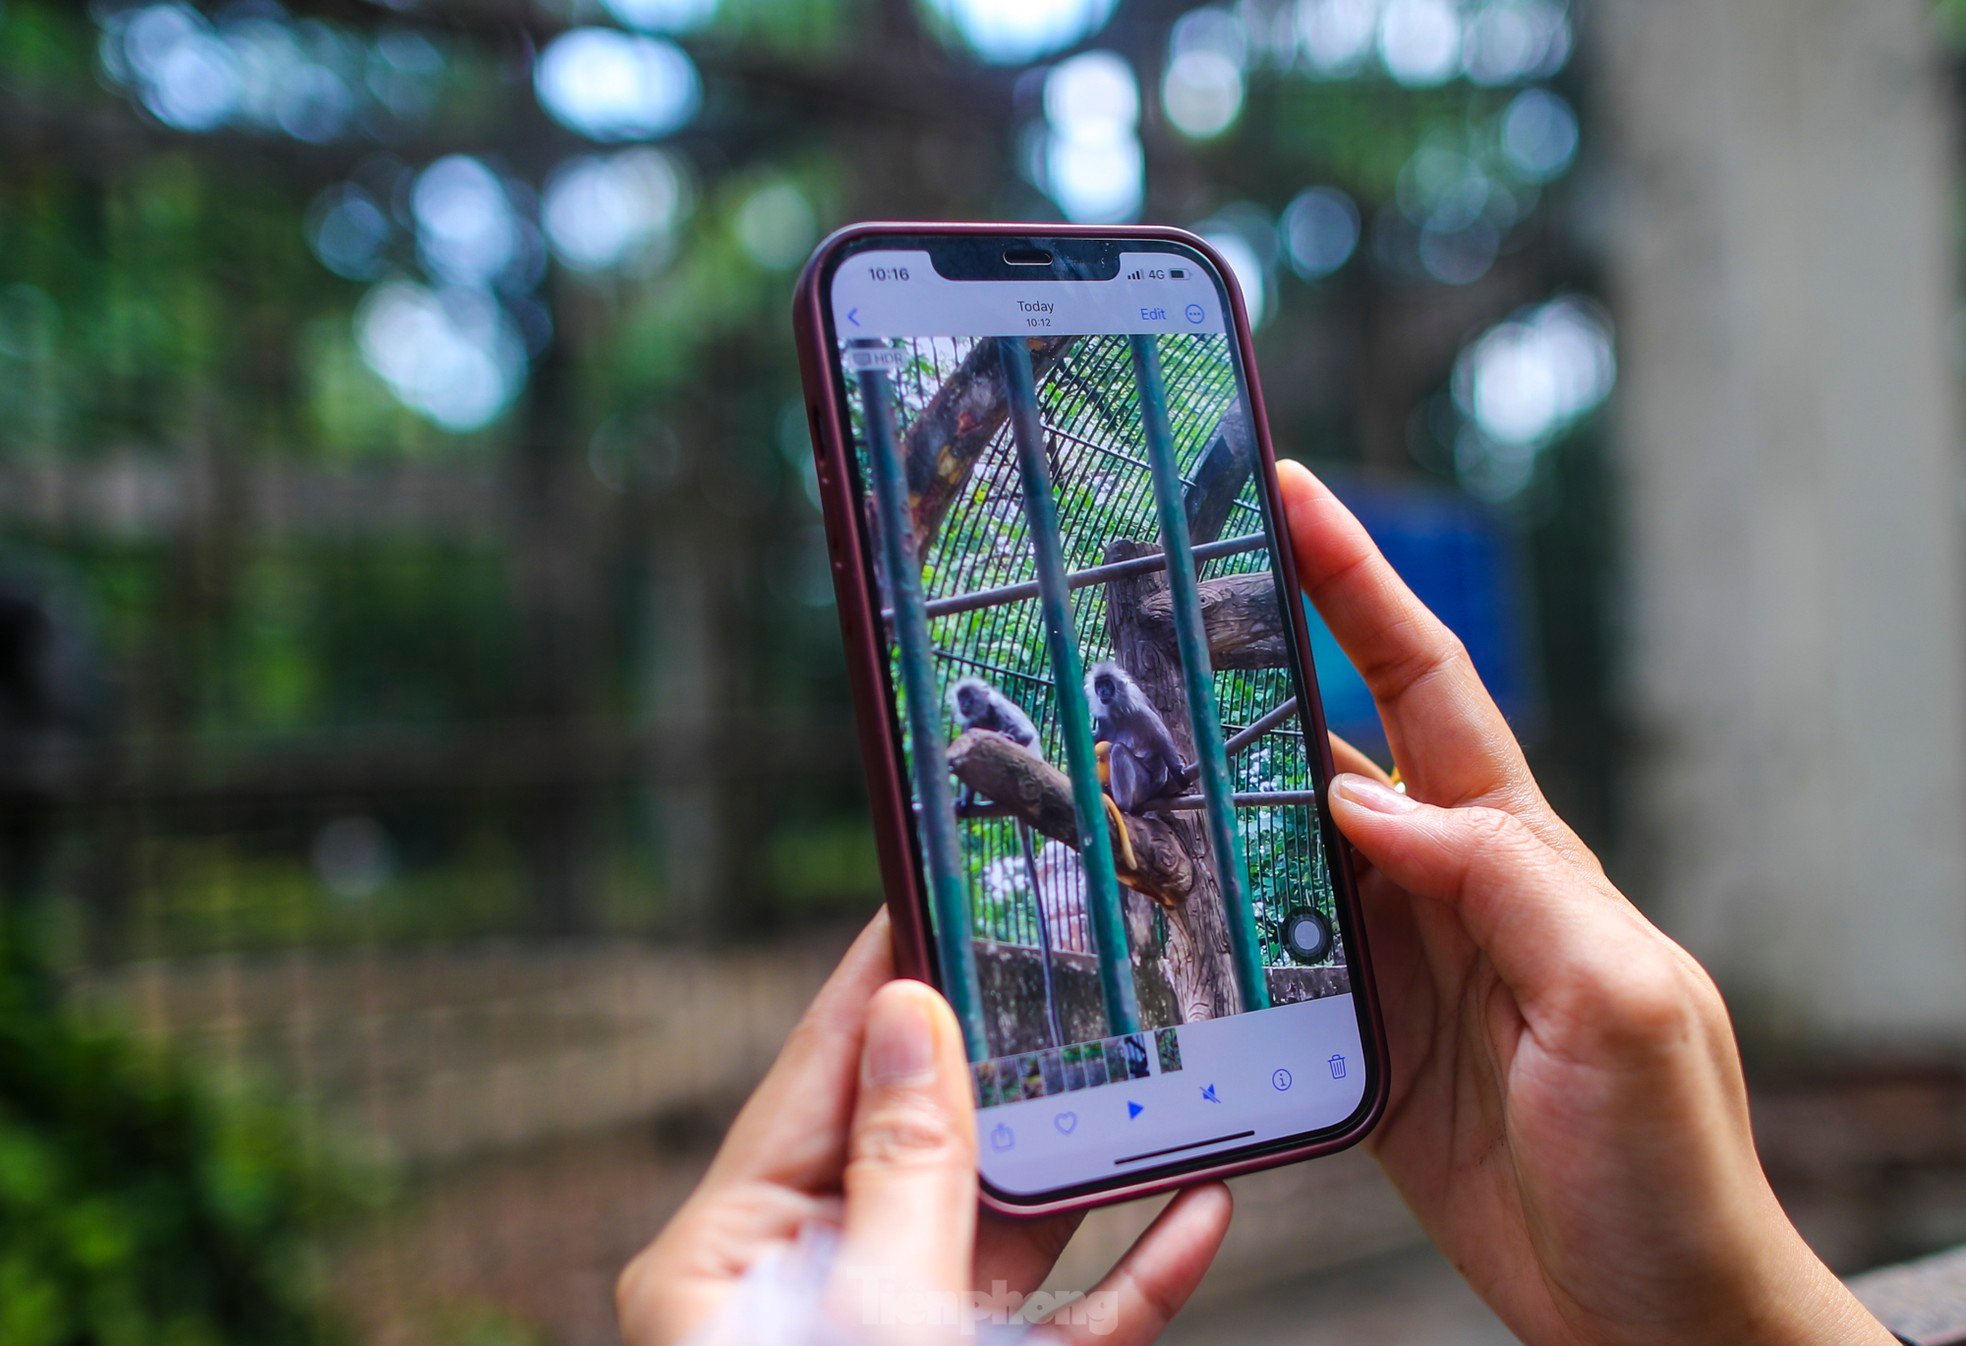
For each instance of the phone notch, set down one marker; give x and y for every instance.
(1027, 257)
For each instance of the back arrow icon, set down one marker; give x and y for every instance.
(853, 316)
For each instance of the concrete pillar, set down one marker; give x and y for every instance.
(1780, 230)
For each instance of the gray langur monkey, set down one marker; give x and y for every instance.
(1142, 762)
(975, 704)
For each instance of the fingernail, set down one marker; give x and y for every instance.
(1370, 794)
(900, 1047)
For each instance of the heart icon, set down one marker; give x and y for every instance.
(1066, 1122)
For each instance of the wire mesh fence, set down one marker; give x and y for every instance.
(979, 587)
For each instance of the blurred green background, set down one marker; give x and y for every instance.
(427, 784)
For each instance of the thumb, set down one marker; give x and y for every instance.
(911, 1154)
(1539, 918)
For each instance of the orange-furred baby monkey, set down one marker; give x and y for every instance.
(1104, 751)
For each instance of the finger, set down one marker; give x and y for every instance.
(911, 1168)
(1447, 735)
(1134, 1302)
(1527, 908)
(1020, 1253)
(684, 1277)
(1349, 758)
(1450, 741)
(793, 1129)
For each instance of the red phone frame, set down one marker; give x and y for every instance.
(886, 781)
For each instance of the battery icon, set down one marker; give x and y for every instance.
(1177, 273)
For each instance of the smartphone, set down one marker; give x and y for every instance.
(1083, 680)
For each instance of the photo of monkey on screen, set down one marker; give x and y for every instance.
(1099, 719)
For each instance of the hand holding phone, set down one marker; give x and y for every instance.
(842, 1203)
(1081, 663)
(1568, 1116)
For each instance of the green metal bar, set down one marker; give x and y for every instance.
(1269, 720)
(935, 818)
(1102, 889)
(1253, 799)
(1091, 575)
(1198, 680)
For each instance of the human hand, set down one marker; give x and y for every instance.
(866, 1123)
(1567, 1113)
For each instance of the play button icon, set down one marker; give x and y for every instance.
(1133, 1109)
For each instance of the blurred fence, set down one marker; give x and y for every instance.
(433, 1055)
(419, 693)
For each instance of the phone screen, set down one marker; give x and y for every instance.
(1094, 684)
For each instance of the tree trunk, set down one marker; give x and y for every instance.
(1198, 962)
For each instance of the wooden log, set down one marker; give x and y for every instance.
(1239, 612)
(1040, 795)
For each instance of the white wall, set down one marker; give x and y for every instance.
(1782, 240)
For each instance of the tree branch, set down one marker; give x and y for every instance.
(1239, 612)
(1219, 477)
(1039, 794)
(942, 445)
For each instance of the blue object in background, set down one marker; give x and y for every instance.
(1462, 562)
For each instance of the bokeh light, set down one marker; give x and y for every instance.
(348, 231)
(1337, 36)
(1424, 43)
(1094, 166)
(608, 85)
(1460, 211)
(1459, 256)
(1246, 238)
(1320, 230)
(254, 67)
(452, 355)
(288, 76)
(1203, 93)
(606, 211)
(182, 71)
(467, 232)
(777, 226)
(1420, 41)
(1524, 383)
(1202, 89)
(1506, 41)
(402, 71)
(1539, 135)
(1010, 32)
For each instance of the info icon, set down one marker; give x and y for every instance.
(1280, 1079)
